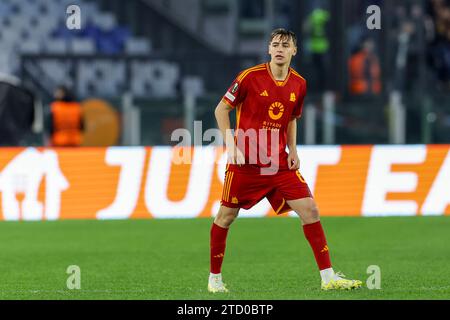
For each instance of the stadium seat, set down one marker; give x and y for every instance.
(46, 26)
(55, 46)
(9, 36)
(54, 9)
(19, 22)
(3, 22)
(30, 47)
(38, 26)
(90, 11)
(5, 9)
(138, 46)
(28, 8)
(105, 21)
(82, 46)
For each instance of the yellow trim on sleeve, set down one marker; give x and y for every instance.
(297, 74)
(247, 71)
(227, 103)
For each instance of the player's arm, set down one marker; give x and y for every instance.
(222, 114)
(293, 160)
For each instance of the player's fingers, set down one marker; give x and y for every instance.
(240, 161)
(291, 163)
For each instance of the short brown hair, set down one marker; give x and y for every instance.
(284, 34)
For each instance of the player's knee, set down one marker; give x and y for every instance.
(311, 214)
(225, 217)
(314, 213)
(225, 220)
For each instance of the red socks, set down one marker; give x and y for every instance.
(217, 244)
(313, 233)
(316, 238)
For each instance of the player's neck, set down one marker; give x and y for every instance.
(279, 72)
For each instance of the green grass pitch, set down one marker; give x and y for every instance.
(266, 258)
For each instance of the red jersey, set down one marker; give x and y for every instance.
(264, 107)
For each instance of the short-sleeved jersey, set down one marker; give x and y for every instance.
(264, 106)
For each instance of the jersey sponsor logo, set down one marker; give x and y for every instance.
(325, 249)
(235, 87)
(292, 98)
(230, 96)
(234, 200)
(276, 110)
(264, 94)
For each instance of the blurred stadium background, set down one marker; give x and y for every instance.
(162, 64)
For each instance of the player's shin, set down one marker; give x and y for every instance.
(217, 246)
(316, 237)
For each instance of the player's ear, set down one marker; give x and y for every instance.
(295, 51)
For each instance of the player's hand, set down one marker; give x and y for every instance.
(235, 156)
(293, 161)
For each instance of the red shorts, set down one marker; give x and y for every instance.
(244, 187)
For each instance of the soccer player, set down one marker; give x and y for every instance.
(268, 99)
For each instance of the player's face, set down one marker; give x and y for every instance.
(282, 50)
